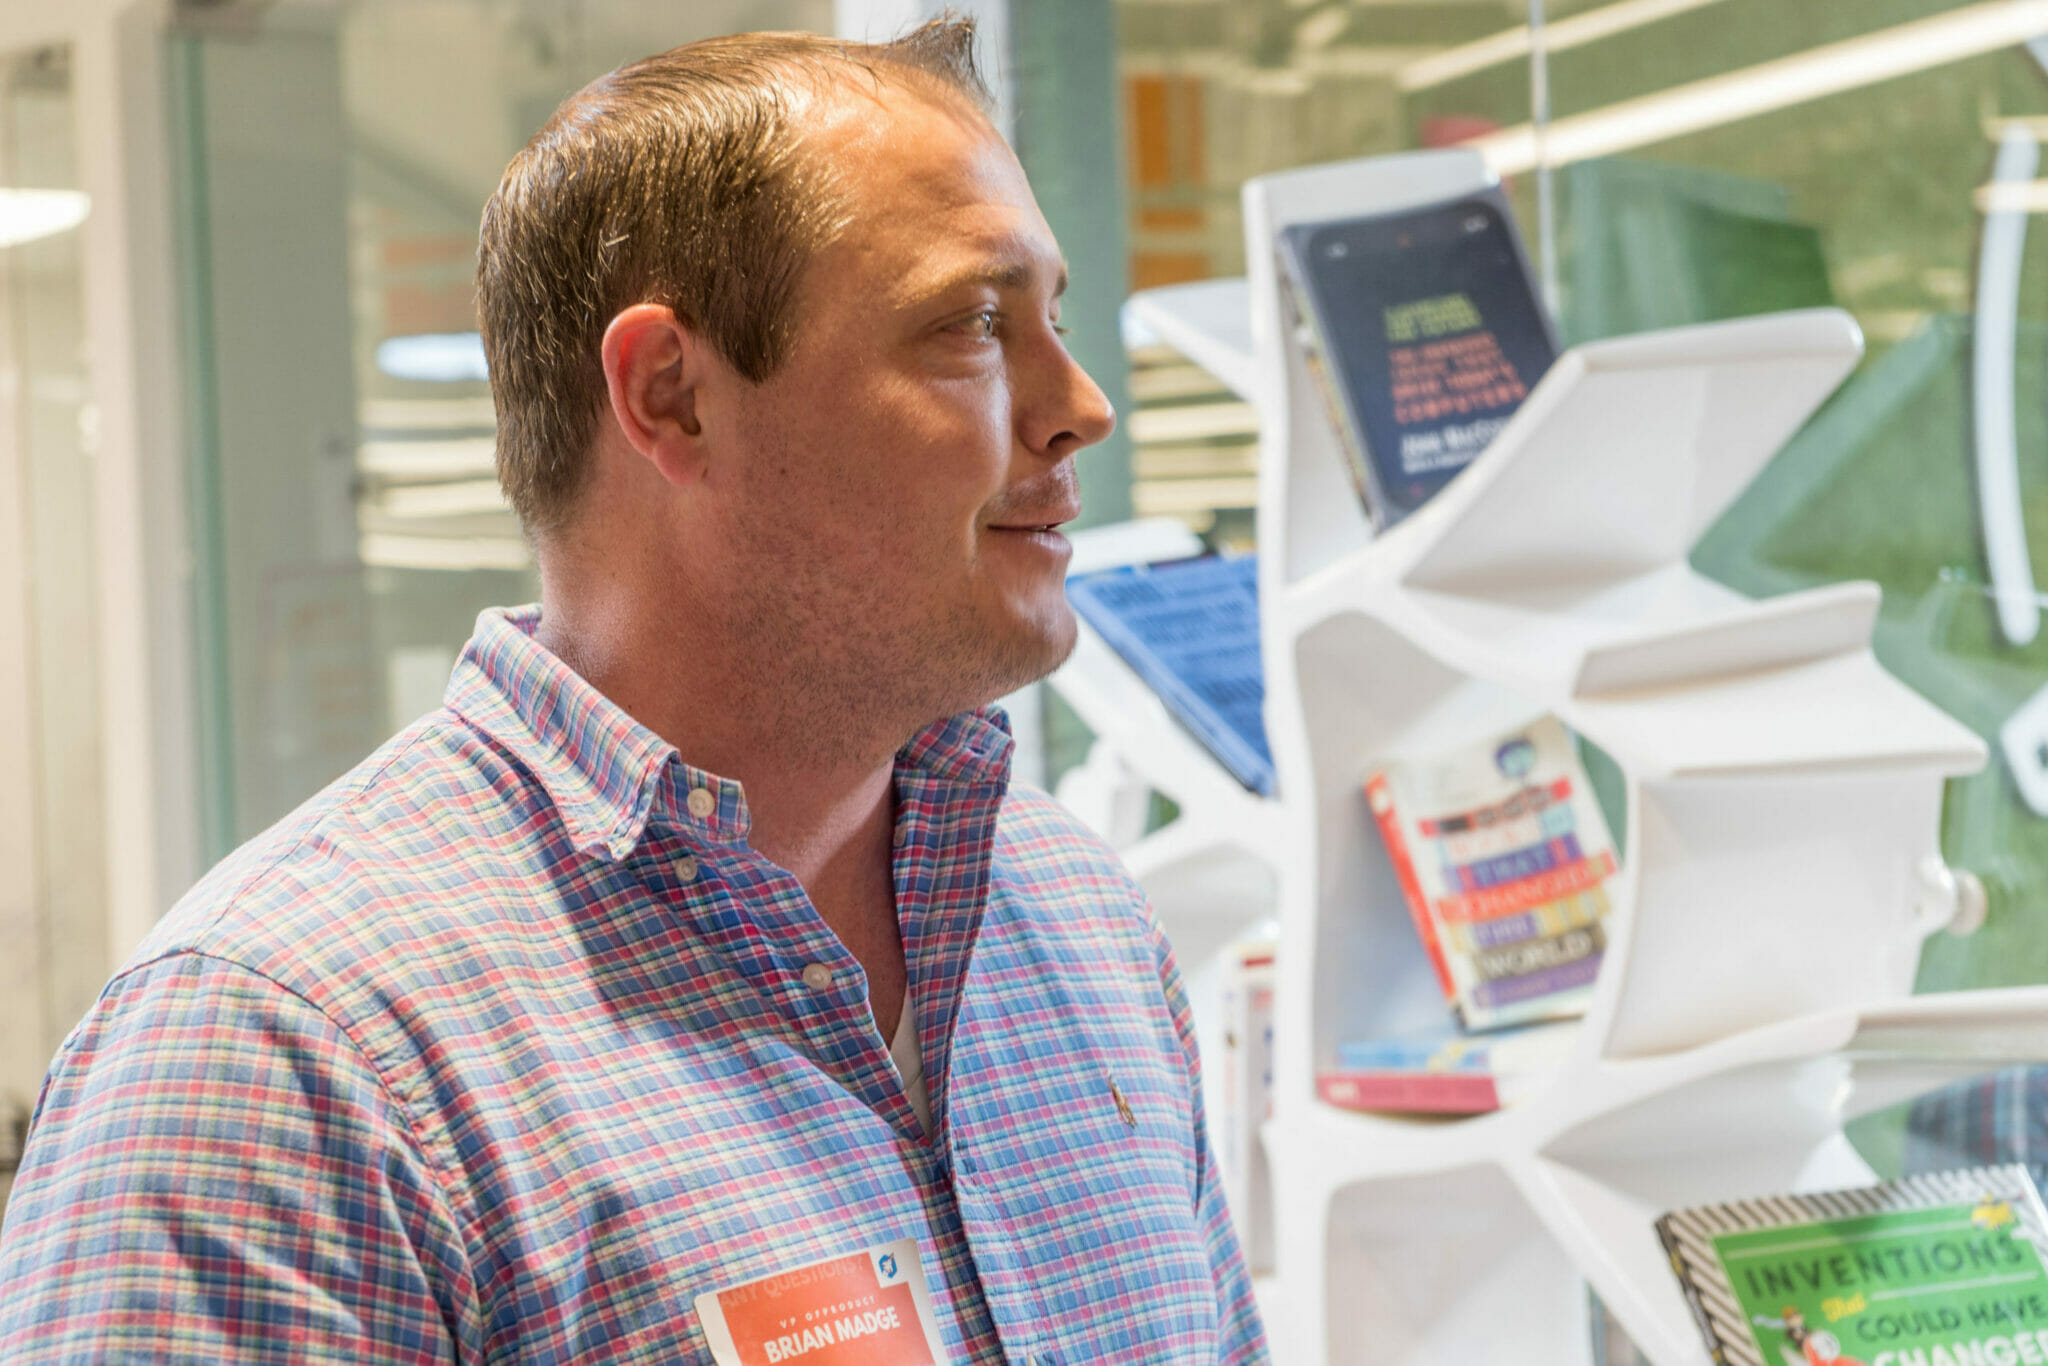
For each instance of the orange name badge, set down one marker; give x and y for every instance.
(867, 1308)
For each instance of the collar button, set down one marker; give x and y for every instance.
(701, 803)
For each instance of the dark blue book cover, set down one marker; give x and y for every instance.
(1190, 630)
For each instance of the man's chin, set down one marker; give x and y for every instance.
(1056, 644)
(1026, 655)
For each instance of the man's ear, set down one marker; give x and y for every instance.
(654, 371)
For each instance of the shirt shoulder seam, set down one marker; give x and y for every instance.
(396, 1103)
(359, 786)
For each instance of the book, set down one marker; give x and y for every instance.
(1445, 1071)
(1190, 630)
(1421, 332)
(1933, 1270)
(1503, 858)
(1245, 1099)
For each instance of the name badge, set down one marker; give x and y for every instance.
(867, 1308)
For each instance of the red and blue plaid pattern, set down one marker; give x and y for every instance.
(501, 1049)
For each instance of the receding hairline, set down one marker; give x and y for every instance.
(837, 84)
(703, 178)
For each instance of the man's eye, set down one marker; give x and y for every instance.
(985, 323)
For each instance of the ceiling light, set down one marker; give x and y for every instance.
(387, 550)
(26, 215)
(429, 460)
(434, 357)
(466, 498)
(1514, 44)
(2022, 196)
(1828, 70)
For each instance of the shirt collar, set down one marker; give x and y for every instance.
(610, 777)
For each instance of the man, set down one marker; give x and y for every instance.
(695, 957)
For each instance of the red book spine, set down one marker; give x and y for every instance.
(1379, 795)
(1436, 1093)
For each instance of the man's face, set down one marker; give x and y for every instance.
(904, 470)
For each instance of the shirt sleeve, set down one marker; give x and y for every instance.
(1241, 1335)
(215, 1173)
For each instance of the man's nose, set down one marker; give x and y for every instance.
(1073, 413)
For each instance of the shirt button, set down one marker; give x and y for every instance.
(817, 976)
(902, 835)
(701, 802)
(685, 869)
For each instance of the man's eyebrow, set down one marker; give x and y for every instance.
(1017, 275)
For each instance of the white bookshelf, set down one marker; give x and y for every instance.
(1781, 866)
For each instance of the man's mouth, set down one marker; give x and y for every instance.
(1061, 516)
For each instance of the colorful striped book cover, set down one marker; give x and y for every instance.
(1504, 859)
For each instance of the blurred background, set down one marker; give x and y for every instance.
(247, 511)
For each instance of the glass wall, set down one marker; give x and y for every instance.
(1682, 161)
(52, 870)
(1702, 159)
(334, 162)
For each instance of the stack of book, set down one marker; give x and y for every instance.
(1444, 1071)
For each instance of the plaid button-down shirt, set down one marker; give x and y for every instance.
(502, 1049)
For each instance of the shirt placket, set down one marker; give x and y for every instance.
(947, 829)
(773, 932)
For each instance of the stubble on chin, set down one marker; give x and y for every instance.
(853, 687)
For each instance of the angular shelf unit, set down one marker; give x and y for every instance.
(1781, 861)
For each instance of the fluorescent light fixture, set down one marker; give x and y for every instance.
(26, 215)
(467, 498)
(424, 461)
(388, 550)
(1848, 65)
(1513, 44)
(2023, 196)
(1193, 422)
(434, 357)
(1169, 497)
(395, 415)
(1321, 28)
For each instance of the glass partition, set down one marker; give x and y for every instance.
(1683, 161)
(1703, 159)
(53, 895)
(334, 162)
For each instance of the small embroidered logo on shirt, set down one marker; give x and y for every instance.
(1123, 1107)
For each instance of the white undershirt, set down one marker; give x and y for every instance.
(905, 1052)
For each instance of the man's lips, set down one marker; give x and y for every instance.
(1057, 518)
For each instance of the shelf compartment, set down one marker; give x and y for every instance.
(1626, 452)
(1489, 1260)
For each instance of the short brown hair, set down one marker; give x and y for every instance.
(679, 180)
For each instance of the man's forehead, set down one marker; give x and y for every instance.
(932, 189)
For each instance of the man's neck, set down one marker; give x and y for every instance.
(820, 794)
(809, 794)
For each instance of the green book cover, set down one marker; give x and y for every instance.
(1937, 1270)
